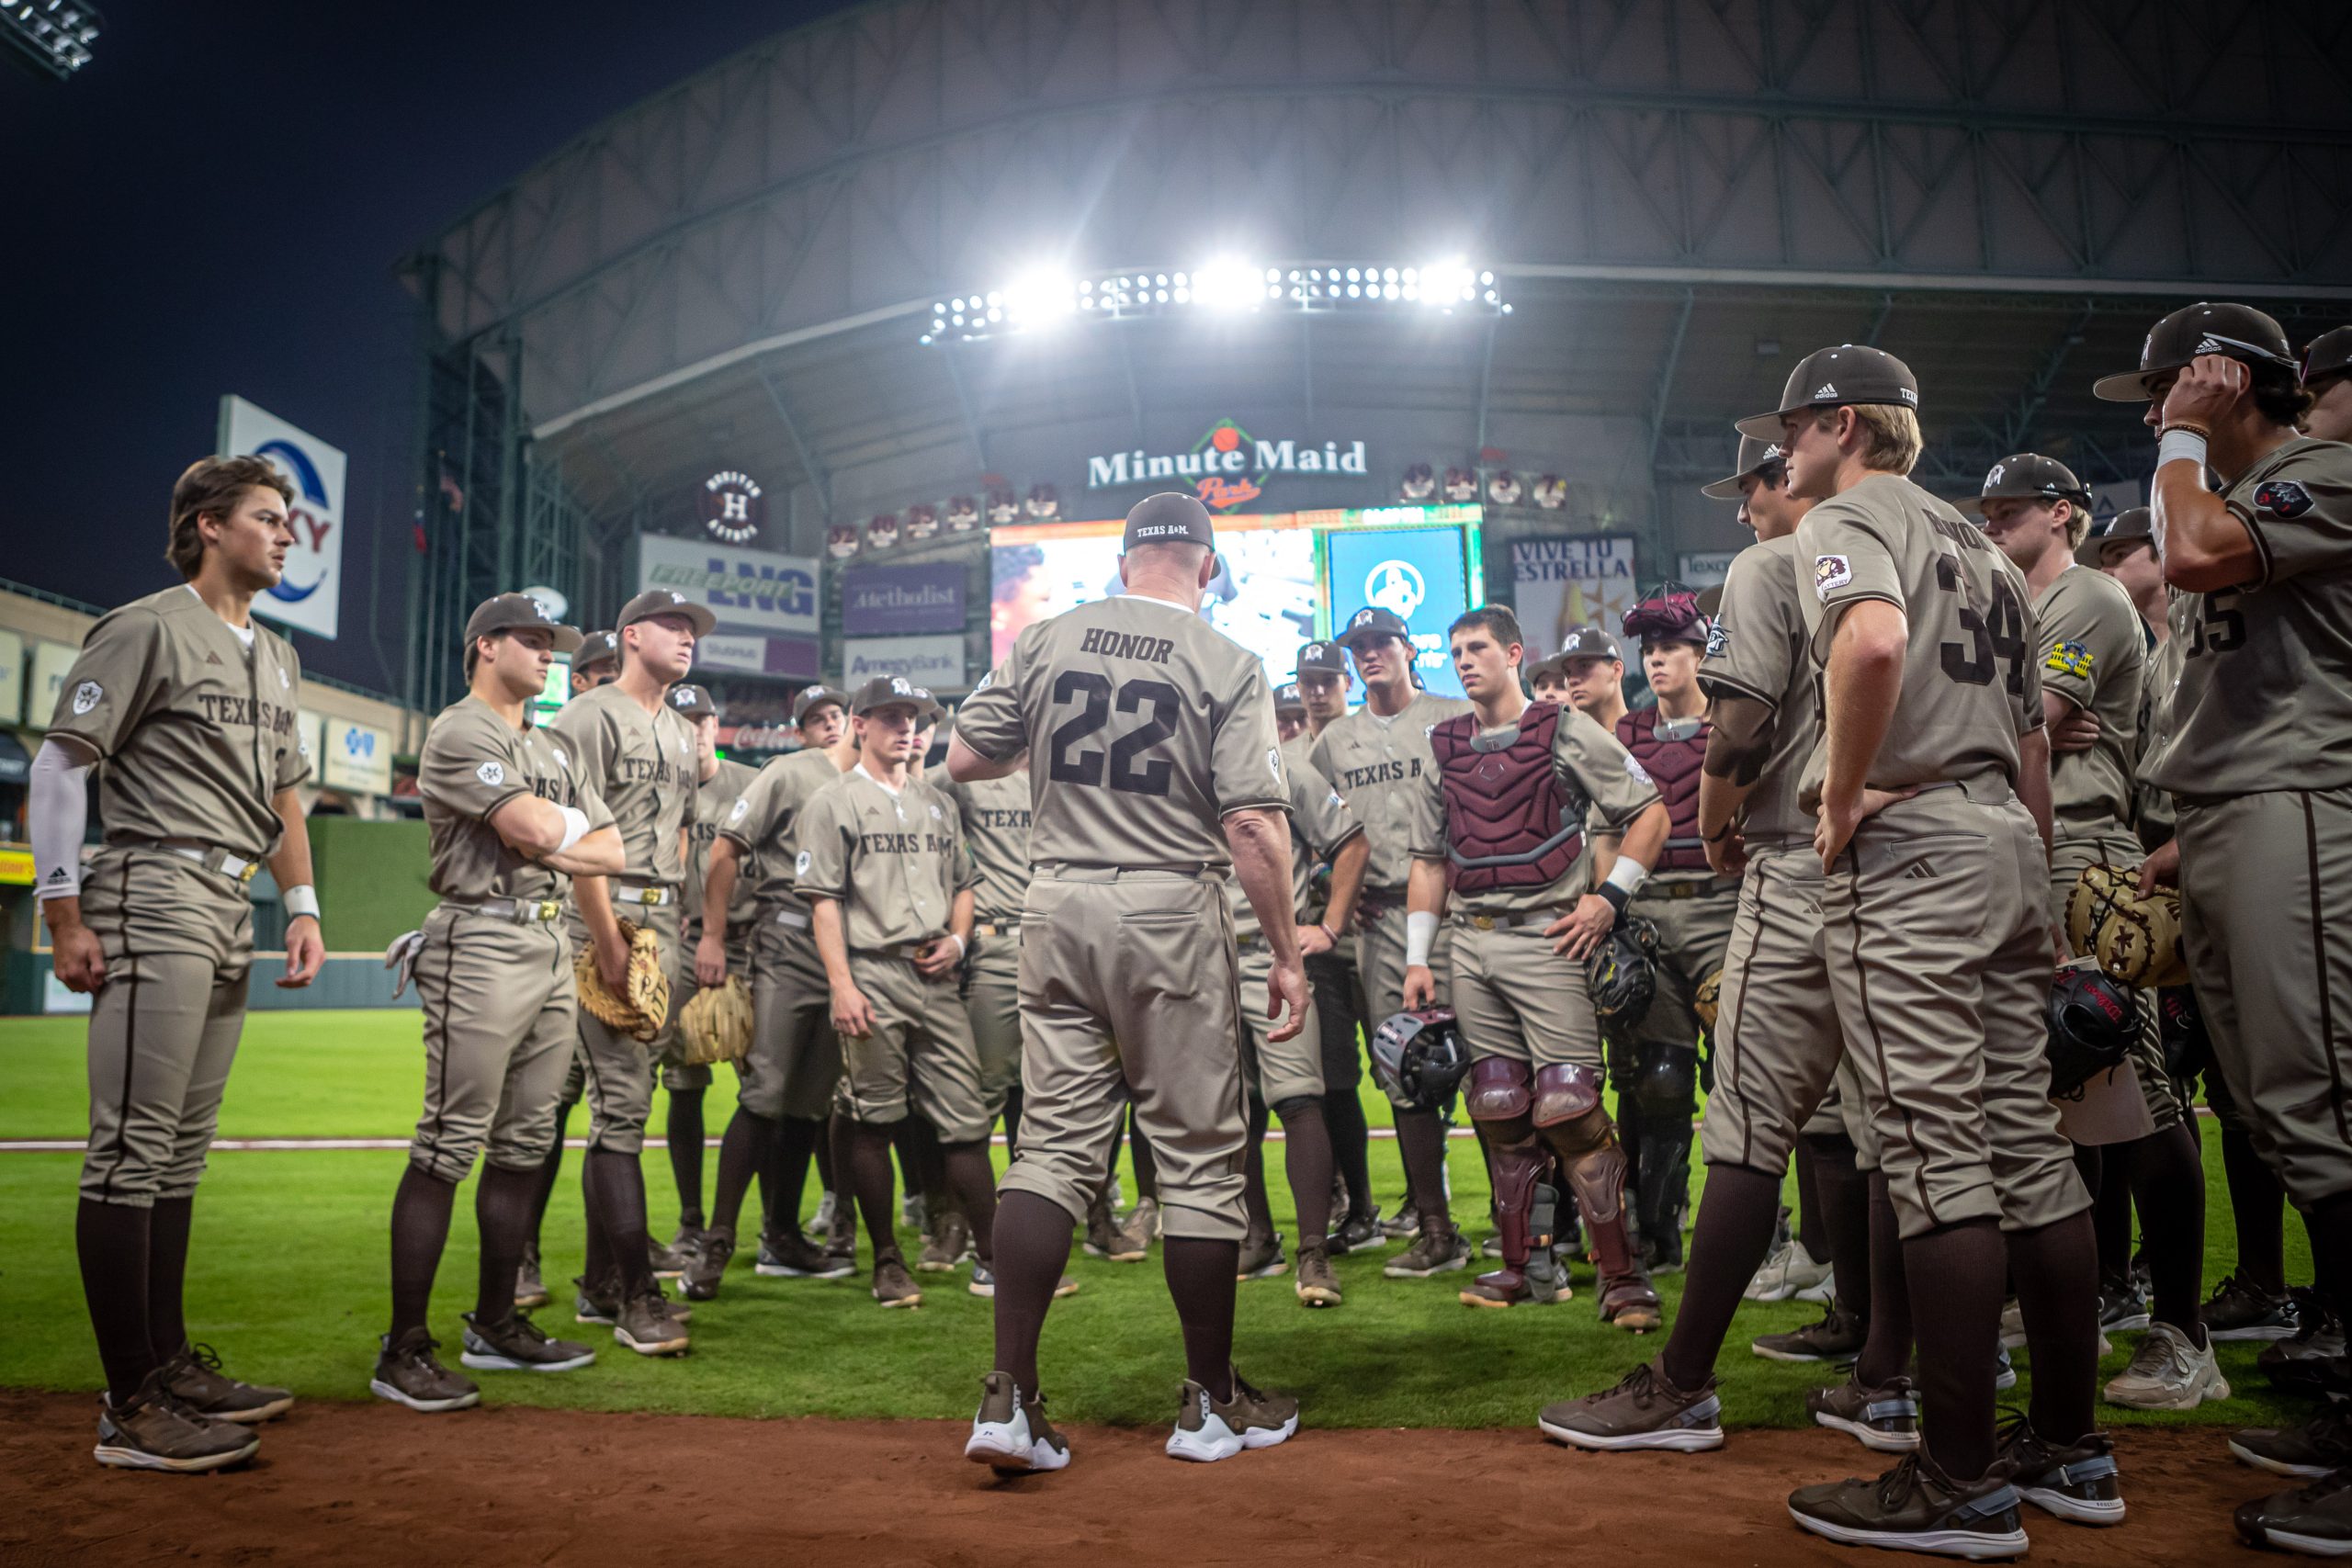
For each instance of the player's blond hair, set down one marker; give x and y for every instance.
(2079, 523)
(1891, 440)
(213, 487)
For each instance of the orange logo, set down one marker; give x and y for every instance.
(1221, 494)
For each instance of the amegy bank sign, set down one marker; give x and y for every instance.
(1227, 466)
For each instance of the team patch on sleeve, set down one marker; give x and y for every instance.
(1636, 771)
(1274, 763)
(1830, 572)
(86, 695)
(2282, 498)
(1718, 638)
(491, 774)
(2070, 657)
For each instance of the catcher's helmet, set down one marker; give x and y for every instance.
(1621, 975)
(2093, 1022)
(1419, 1057)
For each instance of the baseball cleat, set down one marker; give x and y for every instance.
(1435, 1250)
(820, 1223)
(1914, 1507)
(1102, 1228)
(1009, 1434)
(2123, 1305)
(1133, 1244)
(2318, 1447)
(2310, 1363)
(599, 1304)
(196, 1380)
(949, 1243)
(791, 1256)
(2079, 1483)
(407, 1372)
(1837, 1336)
(708, 1264)
(1629, 1302)
(1642, 1412)
(518, 1345)
(893, 1286)
(1358, 1233)
(1208, 1429)
(647, 1326)
(1317, 1285)
(151, 1430)
(2315, 1520)
(1404, 1224)
(2167, 1373)
(1790, 1269)
(1884, 1420)
(1261, 1258)
(2240, 1309)
(667, 1262)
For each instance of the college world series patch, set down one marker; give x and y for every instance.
(2282, 498)
(1830, 572)
(2070, 658)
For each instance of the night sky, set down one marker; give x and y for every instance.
(215, 205)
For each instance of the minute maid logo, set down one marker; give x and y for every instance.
(1227, 465)
(1396, 586)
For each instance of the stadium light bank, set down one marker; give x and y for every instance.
(1043, 301)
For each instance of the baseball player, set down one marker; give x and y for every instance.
(719, 783)
(628, 746)
(1321, 675)
(186, 709)
(2262, 785)
(1594, 674)
(889, 886)
(1290, 713)
(1777, 1043)
(1547, 679)
(1153, 765)
(1499, 849)
(787, 1077)
(2327, 377)
(508, 819)
(1377, 757)
(594, 662)
(994, 817)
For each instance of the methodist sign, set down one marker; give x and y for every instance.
(883, 600)
(1227, 466)
(310, 595)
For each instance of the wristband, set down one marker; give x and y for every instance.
(575, 827)
(1329, 934)
(1616, 896)
(1627, 875)
(2179, 442)
(960, 949)
(302, 900)
(1420, 935)
(1717, 838)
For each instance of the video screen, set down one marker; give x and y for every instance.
(1262, 597)
(1421, 573)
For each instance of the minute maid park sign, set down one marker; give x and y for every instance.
(1227, 466)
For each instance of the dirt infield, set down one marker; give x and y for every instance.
(360, 1484)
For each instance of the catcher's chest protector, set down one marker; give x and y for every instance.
(1674, 766)
(1508, 822)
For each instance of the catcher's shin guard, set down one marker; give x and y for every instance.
(1662, 1185)
(1569, 1114)
(1518, 1167)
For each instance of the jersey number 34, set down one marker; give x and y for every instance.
(1997, 637)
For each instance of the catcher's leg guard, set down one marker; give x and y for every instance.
(1663, 1097)
(1501, 1089)
(1499, 1099)
(1569, 1114)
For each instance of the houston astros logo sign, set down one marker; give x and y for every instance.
(1396, 585)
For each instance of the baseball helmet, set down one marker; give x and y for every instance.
(1669, 614)
(1621, 975)
(1419, 1057)
(2092, 1021)
(2233, 331)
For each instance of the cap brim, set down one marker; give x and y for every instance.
(1726, 490)
(567, 638)
(1760, 426)
(2131, 386)
(697, 616)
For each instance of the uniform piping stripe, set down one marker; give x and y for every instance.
(2327, 1042)
(1732, 1060)
(437, 1095)
(1877, 1045)
(129, 1042)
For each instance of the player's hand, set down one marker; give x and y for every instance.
(710, 960)
(2078, 731)
(1286, 1001)
(1313, 940)
(853, 1019)
(1727, 856)
(1578, 932)
(2058, 943)
(612, 961)
(2207, 391)
(2161, 868)
(941, 956)
(1420, 988)
(306, 952)
(1836, 828)
(79, 960)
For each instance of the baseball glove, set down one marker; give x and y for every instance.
(715, 1023)
(2135, 937)
(1621, 975)
(640, 1013)
(1704, 999)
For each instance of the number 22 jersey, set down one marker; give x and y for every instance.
(1145, 727)
(1971, 685)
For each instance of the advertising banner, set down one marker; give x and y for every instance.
(1560, 584)
(933, 661)
(358, 757)
(1703, 568)
(12, 681)
(51, 661)
(1419, 573)
(880, 601)
(311, 593)
(790, 657)
(749, 591)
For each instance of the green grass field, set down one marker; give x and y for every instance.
(288, 1279)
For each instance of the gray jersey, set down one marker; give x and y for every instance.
(643, 765)
(1971, 684)
(1319, 823)
(1146, 726)
(2265, 697)
(194, 733)
(1378, 766)
(2093, 649)
(894, 859)
(1758, 649)
(764, 821)
(996, 834)
(715, 798)
(474, 762)
(2153, 803)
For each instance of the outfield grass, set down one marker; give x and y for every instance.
(288, 1279)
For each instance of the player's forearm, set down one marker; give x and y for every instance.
(1425, 888)
(961, 916)
(1720, 800)
(1644, 837)
(2055, 710)
(1740, 734)
(1864, 681)
(598, 854)
(1346, 881)
(1260, 844)
(2034, 781)
(718, 882)
(62, 914)
(832, 940)
(967, 766)
(290, 863)
(2205, 548)
(592, 896)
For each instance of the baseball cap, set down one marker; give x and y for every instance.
(1832, 378)
(1756, 455)
(932, 710)
(1171, 517)
(1325, 657)
(1589, 642)
(691, 700)
(597, 647)
(2133, 523)
(1287, 700)
(890, 691)
(810, 697)
(511, 612)
(1556, 667)
(1372, 621)
(2235, 331)
(2028, 476)
(664, 601)
(2330, 353)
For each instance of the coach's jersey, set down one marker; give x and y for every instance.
(1758, 649)
(643, 765)
(1319, 823)
(2264, 698)
(1146, 726)
(1379, 766)
(1971, 684)
(1606, 788)
(764, 822)
(193, 731)
(715, 799)
(2093, 649)
(474, 762)
(2153, 803)
(996, 835)
(894, 859)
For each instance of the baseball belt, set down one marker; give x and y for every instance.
(1509, 922)
(650, 897)
(909, 950)
(1689, 888)
(997, 928)
(791, 919)
(211, 857)
(521, 911)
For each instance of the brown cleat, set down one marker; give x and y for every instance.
(1628, 1302)
(1316, 1284)
(893, 1286)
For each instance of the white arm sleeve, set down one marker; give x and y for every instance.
(59, 806)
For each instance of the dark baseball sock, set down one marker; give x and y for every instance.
(549, 1171)
(931, 1162)
(1031, 1249)
(840, 1133)
(111, 1240)
(1200, 1281)
(1738, 1209)
(2111, 1212)
(2329, 1224)
(1420, 1139)
(620, 1194)
(1955, 1278)
(871, 1180)
(906, 1142)
(1254, 1202)
(1011, 1121)
(2167, 1183)
(685, 1135)
(1350, 1137)
(597, 1262)
(502, 1216)
(420, 1230)
(2257, 1208)
(2055, 1270)
(1844, 1197)
(1147, 1167)
(167, 1230)
(1306, 1162)
(971, 1186)
(783, 1179)
(1811, 1227)
(741, 1148)
(823, 1153)
(1886, 1353)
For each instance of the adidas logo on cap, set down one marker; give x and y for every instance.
(1826, 389)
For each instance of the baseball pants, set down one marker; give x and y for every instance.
(1278, 1070)
(1380, 964)
(501, 1016)
(796, 1059)
(1694, 936)
(992, 995)
(617, 1069)
(921, 1052)
(1514, 996)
